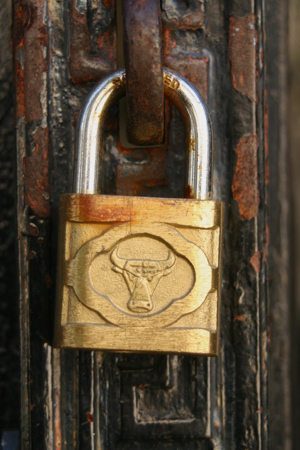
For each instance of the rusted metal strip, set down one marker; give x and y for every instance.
(84, 65)
(242, 54)
(144, 71)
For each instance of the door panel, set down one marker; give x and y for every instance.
(83, 400)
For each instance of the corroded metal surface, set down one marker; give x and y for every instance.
(141, 401)
(31, 34)
(144, 71)
(242, 54)
(245, 183)
(84, 64)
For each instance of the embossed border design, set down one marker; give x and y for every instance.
(77, 277)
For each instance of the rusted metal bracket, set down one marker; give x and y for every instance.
(189, 16)
(144, 71)
(83, 65)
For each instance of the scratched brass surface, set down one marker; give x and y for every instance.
(139, 274)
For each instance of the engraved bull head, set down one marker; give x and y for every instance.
(142, 277)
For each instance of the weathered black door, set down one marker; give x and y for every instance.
(233, 52)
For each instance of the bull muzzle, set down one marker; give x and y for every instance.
(142, 277)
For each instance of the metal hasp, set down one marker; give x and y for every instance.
(140, 274)
(144, 71)
(198, 133)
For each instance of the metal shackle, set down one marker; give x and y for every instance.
(194, 113)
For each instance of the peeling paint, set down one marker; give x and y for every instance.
(168, 42)
(35, 40)
(84, 66)
(255, 261)
(245, 182)
(189, 192)
(89, 416)
(36, 170)
(242, 55)
(190, 21)
(32, 229)
(31, 67)
(240, 318)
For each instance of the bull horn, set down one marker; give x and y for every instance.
(118, 262)
(169, 262)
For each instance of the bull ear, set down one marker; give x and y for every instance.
(169, 262)
(119, 263)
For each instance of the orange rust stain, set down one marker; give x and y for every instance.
(217, 425)
(240, 318)
(242, 55)
(22, 17)
(188, 191)
(89, 416)
(168, 42)
(109, 3)
(255, 261)
(20, 96)
(21, 22)
(57, 421)
(36, 170)
(35, 43)
(192, 144)
(89, 211)
(125, 150)
(265, 254)
(32, 229)
(245, 181)
(192, 21)
(193, 68)
(84, 66)
(80, 44)
(105, 215)
(106, 44)
(267, 172)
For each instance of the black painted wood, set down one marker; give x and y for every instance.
(83, 400)
(9, 312)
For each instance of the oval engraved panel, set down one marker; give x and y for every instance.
(141, 275)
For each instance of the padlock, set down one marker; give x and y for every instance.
(139, 274)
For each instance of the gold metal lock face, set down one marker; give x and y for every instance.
(140, 274)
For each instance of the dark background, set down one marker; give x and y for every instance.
(9, 316)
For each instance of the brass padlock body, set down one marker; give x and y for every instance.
(139, 274)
